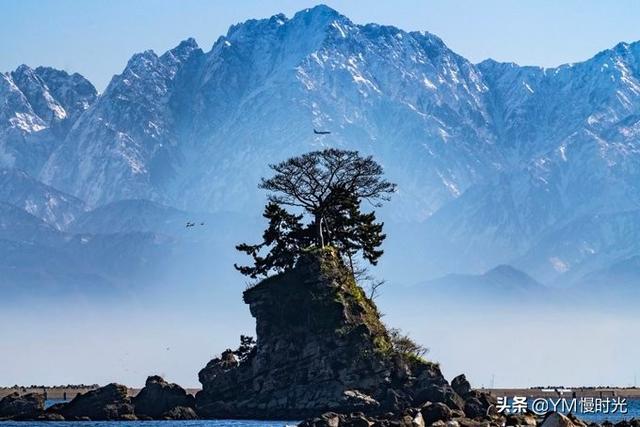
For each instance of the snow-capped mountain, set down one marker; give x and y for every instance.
(40, 200)
(178, 127)
(126, 145)
(37, 108)
(496, 163)
(571, 135)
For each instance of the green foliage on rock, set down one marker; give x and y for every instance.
(321, 346)
(405, 346)
(327, 188)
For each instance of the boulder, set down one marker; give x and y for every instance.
(457, 413)
(47, 416)
(555, 419)
(218, 367)
(180, 413)
(328, 419)
(356, 420)
(417, 420)
(103, 404)
(466, 422)
(22, 407)
(433, 412)
(159, 397)
(526, 419)
(578, 422)
(442, 393)
(473, 408)
(479, 404)
(461, 386)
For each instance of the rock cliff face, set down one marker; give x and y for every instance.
(159, 398)
(110, 402)
(18, 407)
(320, 347)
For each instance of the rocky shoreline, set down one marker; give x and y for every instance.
(158, 400)
(321, 354)
(437, 416)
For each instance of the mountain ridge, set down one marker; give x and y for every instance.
(491, 158)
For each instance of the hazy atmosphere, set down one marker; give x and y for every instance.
(513, 239)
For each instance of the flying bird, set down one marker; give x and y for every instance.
(190, 224)
(321, 132)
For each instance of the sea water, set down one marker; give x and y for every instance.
(197, 423)
(632, 411)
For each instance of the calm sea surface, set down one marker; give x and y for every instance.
(633, 407)
(633, 411)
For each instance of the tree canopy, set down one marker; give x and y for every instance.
(327, 187)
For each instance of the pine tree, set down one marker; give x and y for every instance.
(284, 237)
(328, 187)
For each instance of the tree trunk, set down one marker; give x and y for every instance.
(319, 234)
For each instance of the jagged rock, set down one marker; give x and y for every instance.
(438, 415)
(473, 408)
(457, 413)
(356, 420)
(321, 347)
(396, 400)
(51, 417)
(418, 420)
(479, 404)
(431, 386)
(476, 404)
(555, 419)
(576, 421)
(433, 412)
(25, 407)
(55, 408)
(331, 419)
(328, 419)
(216, 368)
(466, 422)
(180, 413)
(461, 386)
(526, 419)
(127, 417)
(159, 397)
(103, 404)
(439, 393)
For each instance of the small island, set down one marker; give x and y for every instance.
(321, 351)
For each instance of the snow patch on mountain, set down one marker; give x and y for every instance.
(494, 161)
(37, 109)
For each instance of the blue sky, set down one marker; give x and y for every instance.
(96, 38)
